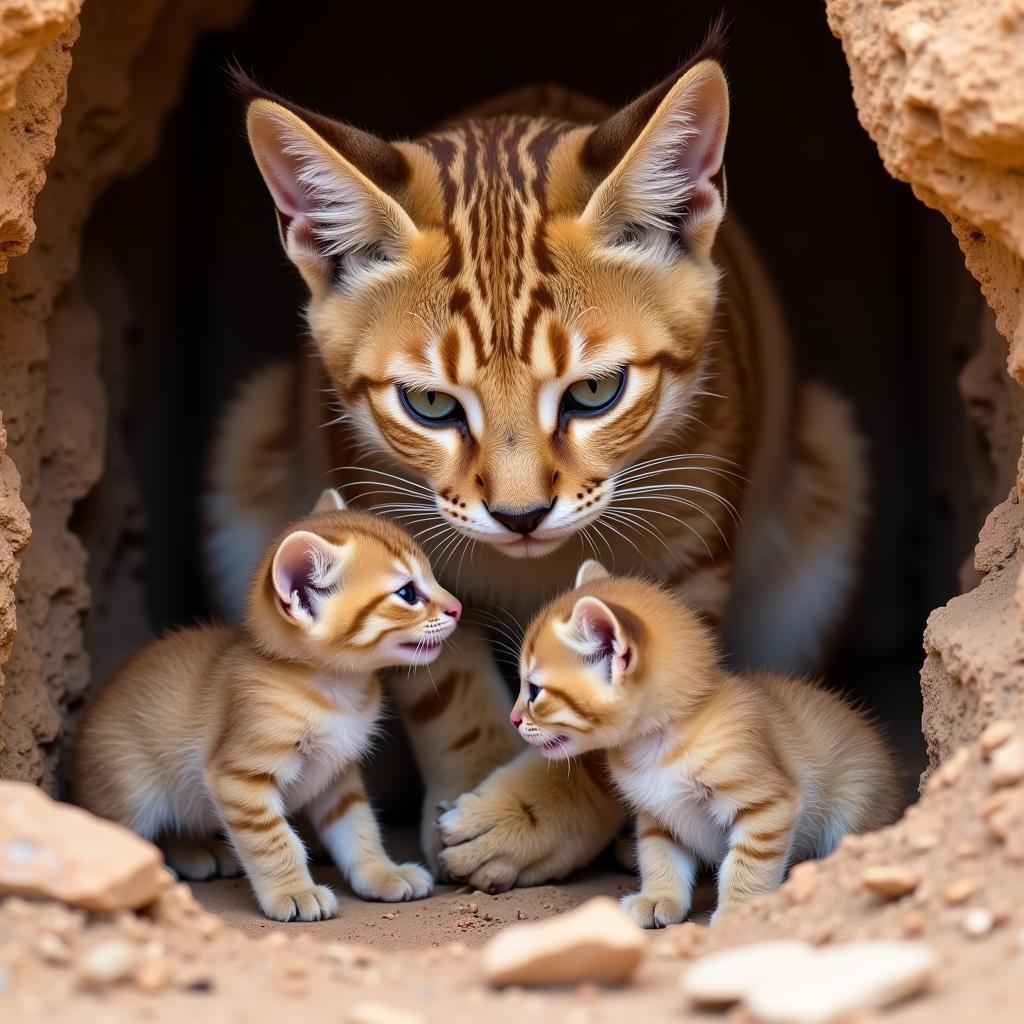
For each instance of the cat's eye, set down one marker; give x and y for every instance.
(436, 408)
(594, 395)
(532, 692)
(408, 594)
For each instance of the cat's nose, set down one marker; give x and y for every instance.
(520, 522)
(454, 609)
(516, 719)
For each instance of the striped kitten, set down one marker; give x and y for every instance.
(745, 773)
(214, 729)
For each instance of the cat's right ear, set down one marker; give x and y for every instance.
(329, 182)
(601, 630)
(305, 569)
(330, 501)
(589, 571)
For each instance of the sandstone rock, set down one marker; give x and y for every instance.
(65, 853)
(108, 963)
(1008, 763)
(727, 977)
(995, 735)
(960, 891)
(596, 942)
(379, 1013)
(841, 980)
(891, 882)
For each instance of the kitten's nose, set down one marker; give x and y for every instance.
(515, 719)
(520, 522)
(454, 609)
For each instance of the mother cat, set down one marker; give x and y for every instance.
(542, 344)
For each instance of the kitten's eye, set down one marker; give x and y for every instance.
(408, 594)
(594, 394)
(435, 408)
(532, 692)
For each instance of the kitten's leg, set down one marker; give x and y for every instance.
(198, 859)
(530, 822)
(456, 714)
(759, 845)
(346, 823)
(250, 805)
(667, 875)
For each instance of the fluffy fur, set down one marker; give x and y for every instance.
(742, 773)
(213, 729)
(525, 248)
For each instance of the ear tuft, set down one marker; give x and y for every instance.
(330, 501)
(589, 571)
(304, 568)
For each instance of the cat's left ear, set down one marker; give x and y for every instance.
(330, 501)
(305, 569)
(600, 629)
(660, 164)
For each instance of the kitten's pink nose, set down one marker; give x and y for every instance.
(454, 609)
(516, 719)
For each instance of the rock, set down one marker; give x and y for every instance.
(960, 891)
(53, 949)
(597, 942)
(802, 882)
(841, 980)
(995, 735)
(64, 853)
(978, 922)
(1008, 763)
(719, 979)
(380, 1013)
(152, 975)
(890, 881)
(107, 963)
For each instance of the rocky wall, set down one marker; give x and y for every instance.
(128, 63)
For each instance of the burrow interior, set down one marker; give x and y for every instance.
(183, 264)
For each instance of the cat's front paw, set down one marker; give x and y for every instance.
(653, 910)
(302, 903)
(393, 883)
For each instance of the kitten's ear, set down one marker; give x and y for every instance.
(590, 571)
(599, 629)
(304, 568)
(330, 184)
(660, 163)
(330, 501)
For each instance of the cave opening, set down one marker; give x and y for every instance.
(183, 266)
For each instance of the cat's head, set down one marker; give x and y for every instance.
(606, 663)
(514, 308)
(350, 591)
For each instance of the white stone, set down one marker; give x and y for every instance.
(840, 980)
(108, 963)
(1008, 763)
(726, 977)
(596, 942)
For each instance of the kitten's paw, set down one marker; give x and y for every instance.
(315, 903)
(653, 910)
(200, 859)
(393, 883)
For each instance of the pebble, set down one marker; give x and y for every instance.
(152, 975)
(596, 942)
(978, 922)
(1008, 763)
(803, 881)
(924, 842)
(960, 891)
(995, 735)
(913, 924)
(107, 963)
(948, 774)
(53, 949)
(380, 1013)
(890, 881)
(841, 980)
(720, 979)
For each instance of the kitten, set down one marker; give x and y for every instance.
(742, 773)
(213, 729)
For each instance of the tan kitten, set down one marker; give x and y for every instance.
(214, 729)
(742, 773)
